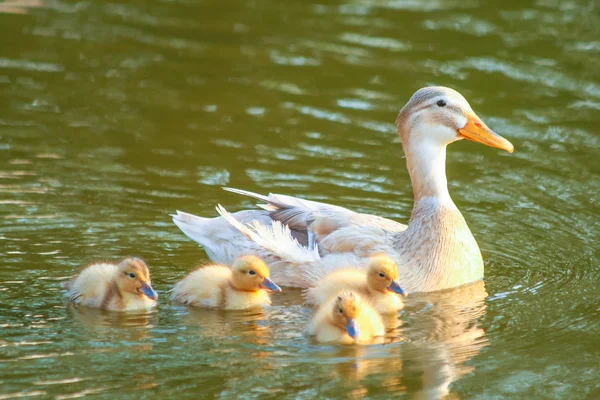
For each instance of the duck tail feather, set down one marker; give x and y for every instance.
(248, 194)
(276, 238)
(272, 200)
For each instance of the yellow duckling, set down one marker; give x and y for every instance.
(245, 285)
(346, 319)
(109, 286)
(378, 284)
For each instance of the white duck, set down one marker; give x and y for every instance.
(297, 237)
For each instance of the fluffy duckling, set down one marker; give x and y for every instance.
(245, 285)
(116, 287)
(378, 284)
(346, 319)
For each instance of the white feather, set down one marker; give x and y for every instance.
(276, 238)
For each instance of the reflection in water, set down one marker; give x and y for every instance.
(129, 326)
(109, 333)
(443, 334)
(248, 325)
(393, 328)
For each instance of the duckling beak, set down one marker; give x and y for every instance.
(148, 291)
(270, 285)
(477, 131)
(352, 329)
(395, 287)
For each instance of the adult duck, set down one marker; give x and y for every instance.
(297, 237)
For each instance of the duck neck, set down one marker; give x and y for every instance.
(437, 239)
(240, 289)
(426, 163)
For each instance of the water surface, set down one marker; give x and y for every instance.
(115, 114)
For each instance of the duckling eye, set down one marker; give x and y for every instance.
(340, 310)
(132, 275)
(441, 103)
(381, 275)
(252, 272)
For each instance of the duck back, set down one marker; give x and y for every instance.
(352, 279)
(91, 286)
(203, 287)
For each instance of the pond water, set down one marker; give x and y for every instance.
(115, 114)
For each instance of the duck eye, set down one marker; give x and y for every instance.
(252, 272)
(441, 103)
(381, 275)
(132, 275)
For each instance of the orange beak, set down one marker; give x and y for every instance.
(477, 131)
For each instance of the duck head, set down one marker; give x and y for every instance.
(345, 313)
(133, 276)
(382, 275)
(442, 115)
(250, 273)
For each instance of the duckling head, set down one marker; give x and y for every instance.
(382, 275)
(346, 310)
(440, 115)
(133, 276)
(251, 274)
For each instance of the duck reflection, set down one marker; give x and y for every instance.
(362, 364)
(250, 326)
(128, 334)
(425, 355)
(445, 334)
(129, 326)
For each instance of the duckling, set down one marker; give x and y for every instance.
(245, 285)
(116, 287)
(378, 284)
(346, 319)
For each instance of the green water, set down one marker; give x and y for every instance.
(115, 114)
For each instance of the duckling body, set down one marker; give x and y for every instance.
(346, 319)
(245, 285)
(116, 287)
(378, 285)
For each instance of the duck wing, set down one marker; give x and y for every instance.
(91, 285)
(203, 287)
(220, 239)
(324, 225)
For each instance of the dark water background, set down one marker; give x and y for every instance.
(115, 114)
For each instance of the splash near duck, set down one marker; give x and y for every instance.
(435, 251)
(117, 287)
(245, 285)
